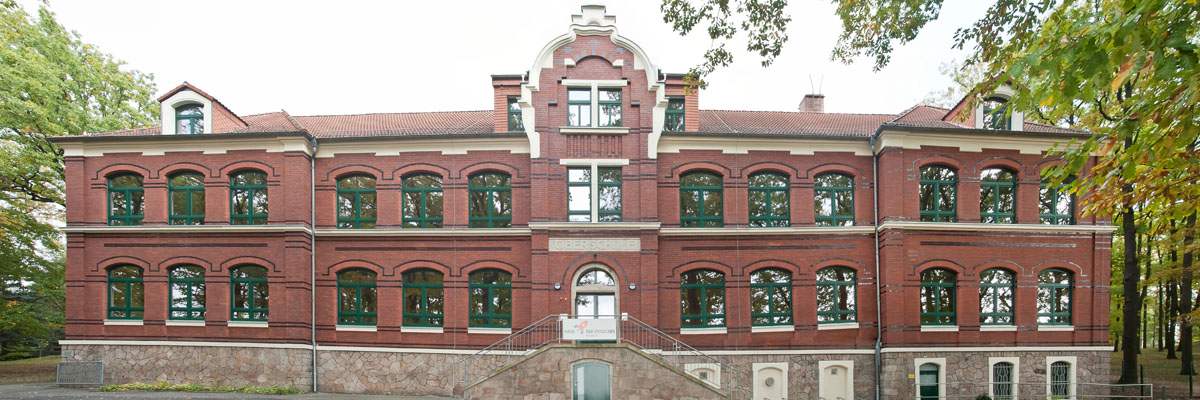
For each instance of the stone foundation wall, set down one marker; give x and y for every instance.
(967, 373)
(388, 373)
(236, 366)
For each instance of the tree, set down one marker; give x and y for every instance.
(763, 22)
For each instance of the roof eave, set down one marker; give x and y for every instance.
(980, 132)
(159, 137)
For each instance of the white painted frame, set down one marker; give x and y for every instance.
(1017, 121)
(847, 364)
(167, 110)
(595, 164)
(941, 363)
(615, 290)
(1016, 375)
(714, 380)
(596, 85)
(782, 366)
(1072, 375)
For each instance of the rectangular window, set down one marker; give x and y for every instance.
(579, 194)
(1056, 206)
(675, 113)
(490, 197)
(579, 107)
(594, 194)
(609, 188)
(514, 115)
(610, 107)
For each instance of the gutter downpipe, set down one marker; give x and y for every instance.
(878, 279)
(312, 258)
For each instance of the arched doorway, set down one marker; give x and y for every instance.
(595, 293)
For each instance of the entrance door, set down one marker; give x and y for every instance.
(595, 305)
(591, 381)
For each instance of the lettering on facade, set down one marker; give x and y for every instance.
(596, 244)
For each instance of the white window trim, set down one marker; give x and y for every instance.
(714, 380)
(772, 328)
(1016, 375)
(490, 331)
(939, 328)
(355, 328)
(847, 364)
(836, 326)
(703, 331)
(246, 324)
(184, 322)
(167, 110)
(595, 164)
(1056, 328)
(1050, 360)
(596, 85)
(1017, 121)
(781, 366)
(997, 328)
(941, 363)
(126, 322)
(421, 329)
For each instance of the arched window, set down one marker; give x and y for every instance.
(491, 298)
(929, 385)
(249, 296)
(186, 302)
(356, 202)
(248, 198)
(422, 201)
(1054, 297)
(358, 302)
(700, 200)
(834, 198)
(126, 294)
(939, 194)
(1056, 205)
(186, 198)
(595, 294)
(995, 113)
(769, 203)
(591, 380)
(996, 290)
(836, 295)
(491, 200)
(125, 199)
(424, 303)
(771, 297)
(189, 119)
(998, 196)
(702, 299)
(938, 296)
(595, 277)
(1003, 384)
(1061, 377)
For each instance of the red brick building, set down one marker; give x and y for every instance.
(802, 254)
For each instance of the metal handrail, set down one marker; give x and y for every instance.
(498, 355)
(678, 354)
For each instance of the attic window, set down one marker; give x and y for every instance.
(189, 119)
(995, 114)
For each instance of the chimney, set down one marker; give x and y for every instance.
(813, 103)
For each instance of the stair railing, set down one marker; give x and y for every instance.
(511, 349)
(734, 381)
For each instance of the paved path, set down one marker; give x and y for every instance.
(42, 391)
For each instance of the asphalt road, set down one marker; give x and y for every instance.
(41, 391)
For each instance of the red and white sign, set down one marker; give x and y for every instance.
(589, 329)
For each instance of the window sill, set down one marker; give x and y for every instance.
(126, 322)
(703, 331)
(1056, 328)
(489, 331)
(594, 130)
(421, 329)
(185, 322)
(355, 328)
(997, 328)
(772, 328)
(939, 328)
(837, 326)
(247, 324)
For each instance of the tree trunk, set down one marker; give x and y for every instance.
(1172, 296)
(1132, 301)
(1185, 323)
(1144, 243)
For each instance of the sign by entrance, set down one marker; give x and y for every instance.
(589, 329)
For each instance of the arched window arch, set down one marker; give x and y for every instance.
(356, 202)
(1054, 297)
(771, 297)
(1056, 206)
(126, 199)
(490, 200)
(422, 200)
(938, 286)
(491, 298)
(700, 200)
(249, 293)
(189, 119)
(997, 291)
(998, 196)
(836, 295)
(833, 195)
(595, 293)
(248, 198)
(424, 299)
(595, 277)
(126, 293)
(768, 202)
(702, 298)
(186, 297)
(939, 194)
(358, 302)
(185, 198)
(996, 114)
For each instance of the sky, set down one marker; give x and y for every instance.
(350, 57)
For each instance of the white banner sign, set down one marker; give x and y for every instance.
(589, 329)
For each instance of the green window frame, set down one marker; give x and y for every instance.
(938, 296)
(837, 295)
(422, 201)
(998, 196)
(610, 107)
(248, 198)
(185, 296)
(833, 198)
(995, 114)
(579, 194)
(126, 293)
(1054, 297)
(939, 194)
(997, 297)
(1056, 206)
(675, 121)
(357, 206)
(702, 299)
(424, 298)
(126, 199)
(491, 299)
(769, 202)
(771, 297)
(490, 200)
(515, 124)
(185, 198)
(609, 197)
(189, 119)
(249, 294)
(700, 200)
(358, 299)
(579, 107)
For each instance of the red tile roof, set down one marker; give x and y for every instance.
(406, 124)
(790, 123)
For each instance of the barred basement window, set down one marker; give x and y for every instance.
(186, 302)
(1003, 387)
(675, 115)
(771, 297)
(939, 194)
(186, 198)
(702, 299)
(491, 298)
(1060, 380)
(769, 204)
(126, 294)
(490, 200)
(356, 208)
(125, 199)
(700, 200)
(836, 295)
(579, 107)
(189, 119)
(423, 298)
(610, 107)
(998, 196)
(357, 298)
(937, 297)
(996, 289)
(248, 294)
(248, 198)
(834, 198)
(1054, 297)
(1056, 205)
(514, 115)
(422, 199)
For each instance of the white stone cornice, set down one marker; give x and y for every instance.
(187, 229)
(424, 232)
(795, 230)
(207, 144)
(594, 226)
(981, 227)
(1025, 144)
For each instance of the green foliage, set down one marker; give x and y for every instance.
(162, 386)
(762, 22)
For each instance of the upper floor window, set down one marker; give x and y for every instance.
(422, 201)
(771, 297)
(514, 115)
(249, 293)
(834, 198)
(702, 302)
(491, 298)
(356, 206)
(996, 289)
(248, 198)
(675, 115)
(490, 200)
(186, 296)
(579, 107)
(357, 299)
(836, 291)
(1056, 206)
(998, 196)
(1054, 297)
(424, 302)
(126, 294)
(125, 199)
(995, 113)
(938, 297)
(769, 202)
(610, 107)
(186, 198)
(585, 194)
(939, 194)
(700, 200)
(189, 119)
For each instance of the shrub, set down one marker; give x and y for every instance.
(161, 386)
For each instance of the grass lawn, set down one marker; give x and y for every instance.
(1161, 372)
(30, 370)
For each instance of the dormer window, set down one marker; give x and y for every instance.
(189, 119)
(995, 114)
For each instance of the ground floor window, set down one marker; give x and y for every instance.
(1002, 380)
(1061, 380)
(423, 300)
(249, 294)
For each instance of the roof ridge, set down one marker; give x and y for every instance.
(800, 112)
(392, 113)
